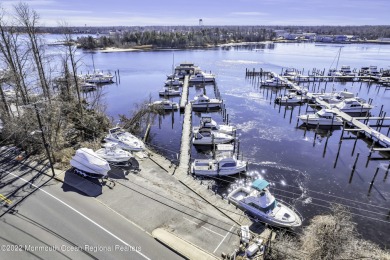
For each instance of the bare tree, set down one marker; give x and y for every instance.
(71, 54)
(28, 18)
(14, 57)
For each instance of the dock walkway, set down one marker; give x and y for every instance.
(369, 131)
(184, 94)
(182, 174)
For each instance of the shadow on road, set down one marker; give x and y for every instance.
(85, 186)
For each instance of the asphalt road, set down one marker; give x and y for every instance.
(53, 224)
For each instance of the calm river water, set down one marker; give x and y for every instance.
(295, 161)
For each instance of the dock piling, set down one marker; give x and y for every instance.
(354, 167)
(326, 143)
(372, 182)
(387, 172)
(354, 144)
(338, 153)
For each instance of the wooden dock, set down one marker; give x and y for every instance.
(182, 173)
(318, 77)
(351, 121)
(185, 145)
(184, 94)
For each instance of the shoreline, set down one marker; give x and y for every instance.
(151, 48)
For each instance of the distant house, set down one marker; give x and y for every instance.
(309, 36)
(324, 38)
(340, 38)
(290, 36)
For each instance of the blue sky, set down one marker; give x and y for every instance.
(228, 12)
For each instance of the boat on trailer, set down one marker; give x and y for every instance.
(113, 154)
(124, 139)
(89, 164)
(260, 203)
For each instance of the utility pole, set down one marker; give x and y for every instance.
(44, 140)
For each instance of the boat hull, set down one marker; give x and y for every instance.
(88, 163)
(128, 146)
(314, 121)
(205, 107)
(208, 168)
(237, 196)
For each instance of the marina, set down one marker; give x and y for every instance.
(341, 109)
(262, 124)
(308, 167)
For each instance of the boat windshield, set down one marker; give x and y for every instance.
(266, 209)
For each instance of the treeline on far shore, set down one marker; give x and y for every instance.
(204, 36)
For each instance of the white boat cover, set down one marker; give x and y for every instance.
(88, 161)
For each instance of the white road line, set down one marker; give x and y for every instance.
(203, 227)
(81, 214)
(220, 243)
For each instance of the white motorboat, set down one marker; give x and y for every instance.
(259, 202)
(346, 71)
(353, 105)
(208, 122)
(205, 136)
(204, 102)
(174, 82)
(202, 77)
(384, 81)
(89, 164)
(177, 76)
(291, 98)
(225, 163)
(124, 139)
(99, 77)
(334, 73)
(373, 71)
(324, 117)
(113, 154)
(274, 82)
(165, 104)
(334, 97)
(290, 72)
(223, 167)
(167, 91)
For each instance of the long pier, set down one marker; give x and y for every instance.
(320, 77)
(185, 145)
(184, 94)
(182, 172)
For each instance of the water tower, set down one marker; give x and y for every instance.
(200, 22)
